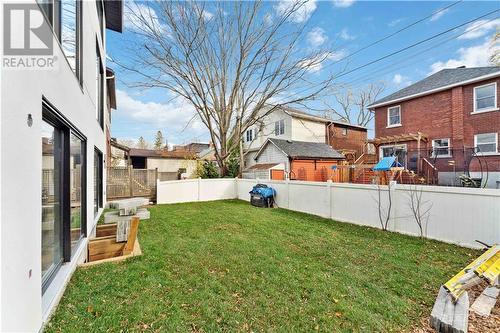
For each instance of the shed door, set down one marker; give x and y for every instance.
(277, 174)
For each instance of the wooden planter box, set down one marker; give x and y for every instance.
(104, 247)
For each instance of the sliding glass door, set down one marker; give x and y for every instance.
(63, 192)
(52, 234)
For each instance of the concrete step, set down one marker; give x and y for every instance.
(114, 217)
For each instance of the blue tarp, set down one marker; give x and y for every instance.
(263, 190)
(386, 163)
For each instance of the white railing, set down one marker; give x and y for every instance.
(455, 215)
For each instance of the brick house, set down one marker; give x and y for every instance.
(285, 123)
(448, 122)
(348, 139)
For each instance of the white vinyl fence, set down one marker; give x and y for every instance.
(455, 215)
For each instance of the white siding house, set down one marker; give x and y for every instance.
(53, 150)
(286, 124)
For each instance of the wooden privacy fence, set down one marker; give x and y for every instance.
(126, 182)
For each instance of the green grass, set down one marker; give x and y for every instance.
(227, 266)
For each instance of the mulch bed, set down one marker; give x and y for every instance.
(477, 324)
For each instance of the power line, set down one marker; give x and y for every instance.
(415, 44)
(396, 32)
(365, 77)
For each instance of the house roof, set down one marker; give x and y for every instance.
(303, 149)
(114, 14)
(118, 145)
(261, 166)
(305, 115)
(442, 80)
(193, 147)
(167, 154)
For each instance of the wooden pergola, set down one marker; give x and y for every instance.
(394, 139)
(419, 137)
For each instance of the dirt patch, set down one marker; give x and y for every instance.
(477, 324)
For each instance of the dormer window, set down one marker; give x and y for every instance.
(394, 116)
(485, 98)
(279, 127)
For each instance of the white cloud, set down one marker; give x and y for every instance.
(138, 16)
(313, 65)
(337, 55)
(400, 80)
(302, 14)
(343, 3)
(345, 35)
(395, 22)
(173, 116)
(439, 14)
(479, 28)
(207, 15)
(316, 37)
(473, 56)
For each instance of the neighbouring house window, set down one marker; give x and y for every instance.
(63, 192)
(249, 135)
(97, 181)
(441, 147)
(485, 97)
(398, 151)
(99, 88)
(486, 143)
(279, 127)
(65, 17)
(394, 116)
(344, 131)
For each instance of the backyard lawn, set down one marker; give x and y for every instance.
(227, 266)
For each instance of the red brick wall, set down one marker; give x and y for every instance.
(445, 114)
(354, 140)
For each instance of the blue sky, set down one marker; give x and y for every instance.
(342, 27)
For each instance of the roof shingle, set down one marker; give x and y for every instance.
(302, 149)
(443, 78)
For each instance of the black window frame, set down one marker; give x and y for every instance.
(98, 200)
(100, 17)
(100, 88)
(52, 11)
(52, 116)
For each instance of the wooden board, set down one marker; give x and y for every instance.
(136, 252)
(104, 230)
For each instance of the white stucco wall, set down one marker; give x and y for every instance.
(22, 307)
(172, 165)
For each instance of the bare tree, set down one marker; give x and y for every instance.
(353, 103)
(419, 207)
(495, 43)
(384, 211)
(230, 60)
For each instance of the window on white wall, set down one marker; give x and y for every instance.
(279, 127)
(249, 135)
(394, 116)
(485, 97)
(441, 147)
(486, 143)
